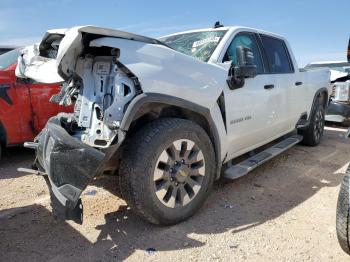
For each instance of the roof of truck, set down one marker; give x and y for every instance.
(227, 28)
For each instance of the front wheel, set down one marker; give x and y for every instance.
(167, 170)
(343, 209)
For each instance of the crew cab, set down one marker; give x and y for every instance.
(171, 114)
(24, 104)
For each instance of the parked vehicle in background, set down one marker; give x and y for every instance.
(339, 107)
(24, 103)
(4, 49)
(338, 67)
(174, 111)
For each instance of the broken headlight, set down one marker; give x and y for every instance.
(341, 91)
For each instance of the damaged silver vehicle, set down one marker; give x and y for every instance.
(169, 114)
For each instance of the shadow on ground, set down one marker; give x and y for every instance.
(268, 192)
(15, 157)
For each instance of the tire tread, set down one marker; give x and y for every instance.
(133, 160)
(342, 222)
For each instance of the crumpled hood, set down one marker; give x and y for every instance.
(56, 58)
(53, 60)
(38, 68)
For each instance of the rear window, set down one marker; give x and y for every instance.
(277, 55)
(9, 58)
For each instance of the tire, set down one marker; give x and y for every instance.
(343, 230)
(313, 134)
(152, 173)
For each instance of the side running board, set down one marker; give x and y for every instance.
(243, 168)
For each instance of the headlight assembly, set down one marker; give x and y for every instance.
(341, 91)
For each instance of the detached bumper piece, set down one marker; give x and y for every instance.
(70, 165)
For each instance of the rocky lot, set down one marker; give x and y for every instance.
(282, 211)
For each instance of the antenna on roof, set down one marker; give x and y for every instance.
(218, 24)
(349, 51)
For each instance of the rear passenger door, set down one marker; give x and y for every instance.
(281, 76)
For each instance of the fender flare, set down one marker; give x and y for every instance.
(146, 98)
(317, 94)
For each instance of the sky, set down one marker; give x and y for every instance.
(317, 30)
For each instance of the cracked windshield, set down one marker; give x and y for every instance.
(200, 45)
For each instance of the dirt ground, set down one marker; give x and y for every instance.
(282, 211)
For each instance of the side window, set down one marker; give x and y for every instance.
(277, 55)
(245, 40)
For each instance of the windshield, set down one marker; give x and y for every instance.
(341, 67)
(200, 45)
(9, 58)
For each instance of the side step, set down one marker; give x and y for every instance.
(243, 168)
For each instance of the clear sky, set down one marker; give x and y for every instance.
(317, 30)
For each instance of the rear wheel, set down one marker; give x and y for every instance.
(313, 134)
(167, 170)
(343, 214)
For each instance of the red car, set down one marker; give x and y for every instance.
(24, 104)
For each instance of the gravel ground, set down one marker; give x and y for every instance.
(282, 211)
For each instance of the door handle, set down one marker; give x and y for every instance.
(298, 83)
(268, 87)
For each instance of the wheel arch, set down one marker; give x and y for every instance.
(320, 95)
(150, 106)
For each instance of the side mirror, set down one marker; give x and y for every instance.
(244, 69)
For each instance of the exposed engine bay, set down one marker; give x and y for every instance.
(101, 89)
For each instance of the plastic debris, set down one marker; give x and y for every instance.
(91, 193)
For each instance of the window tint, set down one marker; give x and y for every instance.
(277, 55)
(245, 40)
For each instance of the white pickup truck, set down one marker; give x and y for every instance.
(171, 114)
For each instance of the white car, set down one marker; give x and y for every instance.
(170, 114)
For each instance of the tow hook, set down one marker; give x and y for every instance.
(31, 145)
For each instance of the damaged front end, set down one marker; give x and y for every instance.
(74, 148)
(69, 165)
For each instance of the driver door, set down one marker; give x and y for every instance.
(250, 110)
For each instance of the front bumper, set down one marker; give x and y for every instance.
(338, 112)
(70, 165)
